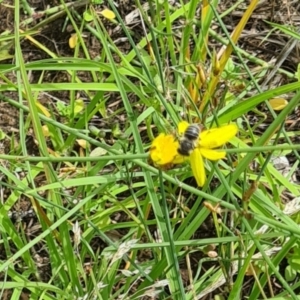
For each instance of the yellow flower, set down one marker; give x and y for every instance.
(208, 141)
(163, 150)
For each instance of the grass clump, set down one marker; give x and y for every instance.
(86, 215)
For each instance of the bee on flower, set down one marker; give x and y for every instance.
(193, 145)
(189, 139)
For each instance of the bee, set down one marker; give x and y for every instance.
(189, 141)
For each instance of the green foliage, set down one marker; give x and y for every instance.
(111, 225)
(67, 110)
(293, 268)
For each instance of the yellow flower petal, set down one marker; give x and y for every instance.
(163, 149)
(212, 154)
(217, 137)
(198, 167)
(108, 14)
(278, 103)
(182, 126)
(73, 40)
(179, 159)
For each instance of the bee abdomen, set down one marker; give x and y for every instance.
(189, 140)
(192, 132)
(185, 148)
